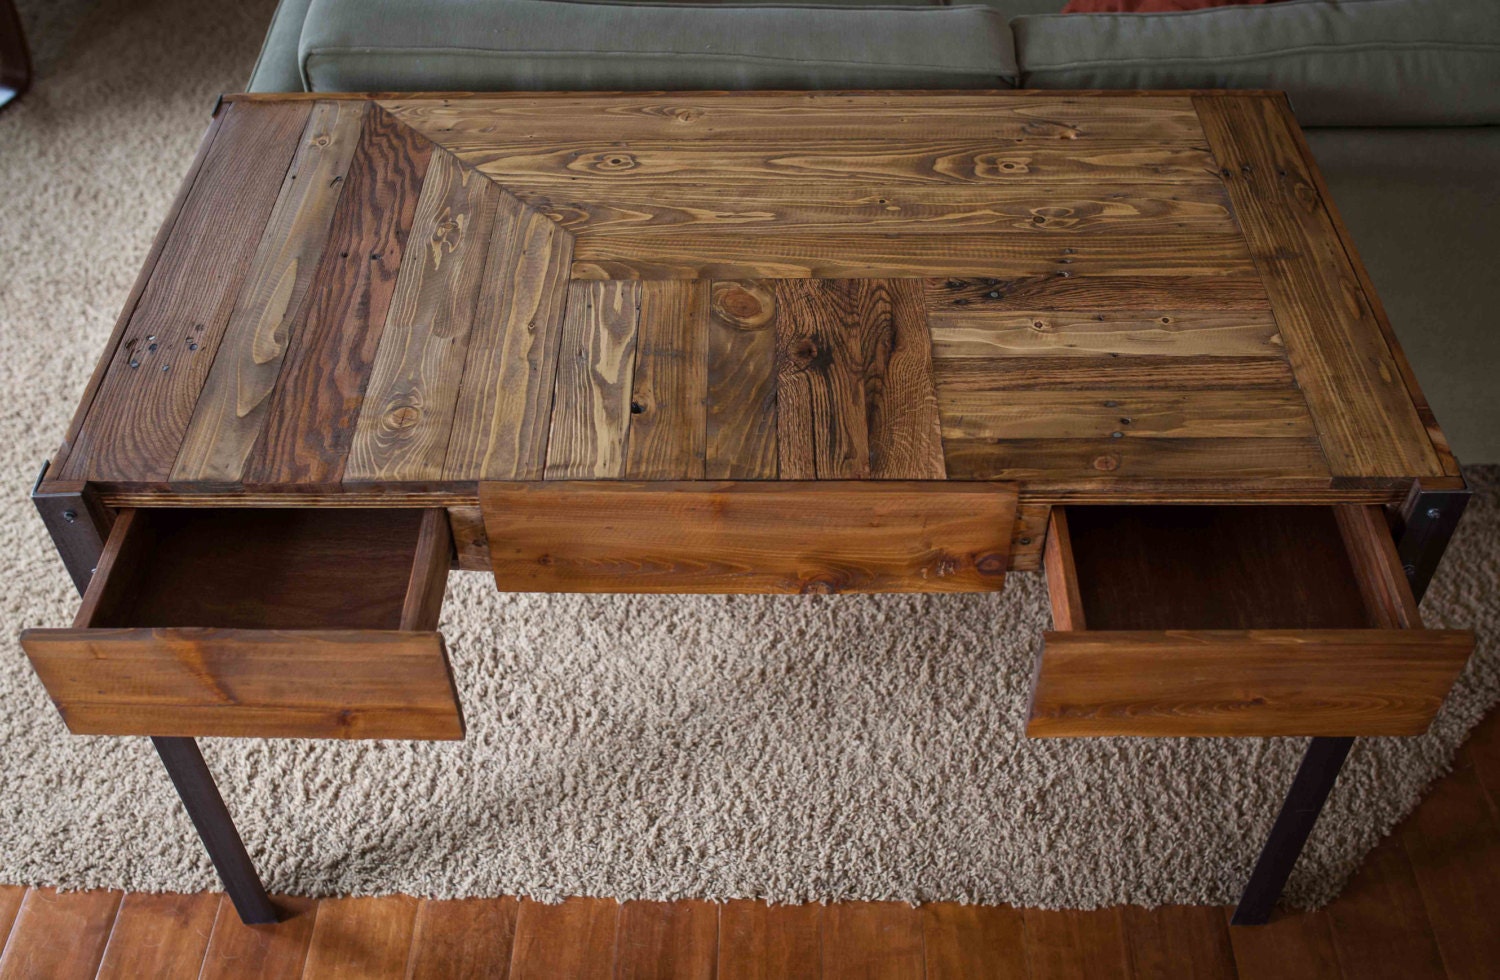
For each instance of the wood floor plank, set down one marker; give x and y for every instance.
(1296, 946)
(231, 409)
(856, 254)
(145, 401)
(1073, 943)
(591, 406)
(163, 935)
(311, 415)
(59, 935)
(1453, 842)
(365, 938)
(1105, 293)
(1484, 749)
(500, 423)
(1131, 412)
(978, 332)
(668, 423)
(870, 940)
(770, 942)
(11, 897)
(468, 938)
(741, 409)
(1380, 925)
(1177, 942)
(403, 427)
(667, 940)
(1368, 422)
(973, 942)
(264, 952)
(574, 940)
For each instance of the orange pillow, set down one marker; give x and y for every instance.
(1148, 6)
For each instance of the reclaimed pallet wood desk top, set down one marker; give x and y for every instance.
(1091, 296)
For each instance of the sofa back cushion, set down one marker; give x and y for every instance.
(1349, 63)
(485, 45)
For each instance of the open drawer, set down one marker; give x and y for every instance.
(259, 622)
(1233, 620)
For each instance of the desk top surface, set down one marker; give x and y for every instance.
(1126, 296)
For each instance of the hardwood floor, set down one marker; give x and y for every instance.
(1418, 908)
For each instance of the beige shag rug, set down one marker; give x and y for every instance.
(784, 748)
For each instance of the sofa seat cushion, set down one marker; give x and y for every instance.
(1349, 63)
(484, 45)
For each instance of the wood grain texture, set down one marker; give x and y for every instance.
(361, 938)
(854, 382)
(59, 934)
(596, 364)
(1259, 682)
(1380, 926)
(668, 419)
(431, 559)
(231, 409)
(741, 401)
(769, 942)
(241, 952)
(159, 936)
(988, 332)
(1252, 466)
(1364, 413)
(872, 941)
(403, 427)
(784, 537)
(1296, 947)
(146, 398)
(1177, 942)
(1377, 567)
(463, 938)
(1151, 371)
(1126, 414)
(1060, 290)
(500, 422)
(973, 942)
(1073, 943)
(666, 940)
(574, 939)
(311, 416)
(1063, 593)
(11, 897)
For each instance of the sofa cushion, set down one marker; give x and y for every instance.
(1350, 63)
(276, 69)
(482, 45)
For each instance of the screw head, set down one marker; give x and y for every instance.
(71, 516)
(1433, 513)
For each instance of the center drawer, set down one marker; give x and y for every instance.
(1235, 620)
(259, 622)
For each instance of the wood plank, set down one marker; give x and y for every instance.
(872, 941)
(1368, 423)
(1153, 371)
(574, 939)
(1130, 413)
(402, 433)
(59, 934)
(1074, 943)
(1453, 841)
(1102, 293)
(363, 938)
(668, 426)
(666, 940)
(137, 420)
(782, 537)
(470, 543)
(1294, 947)
(857, 255)
(786, 116)
(981, 332)
(854, 382)
(248, 683)
(311, 415)
(431, 559)
(468, 937)
(1177, 942)
(265, 952)
(770, 942)
(1063, 593)
(160, 935)
(231, 409)
(741, 383)
(1249, 466)
(1244, 682)
(1379, 924)
(973, 942)
(500, 422)
(591, 404)
(1377, 567)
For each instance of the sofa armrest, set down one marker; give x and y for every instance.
(276, 69)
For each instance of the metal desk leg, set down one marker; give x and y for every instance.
(1429, 519)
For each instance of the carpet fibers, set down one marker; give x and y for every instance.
(783, 748)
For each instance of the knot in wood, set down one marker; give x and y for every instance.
(402, 417)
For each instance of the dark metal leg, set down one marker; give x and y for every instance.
(1428, 522)
(79, 525)
(15, 60)
(206, 807)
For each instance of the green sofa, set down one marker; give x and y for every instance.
(1401, 100)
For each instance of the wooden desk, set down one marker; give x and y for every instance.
(757, 342)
